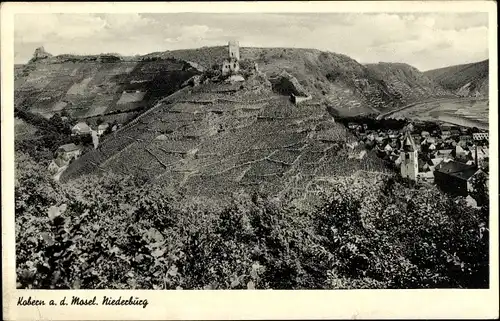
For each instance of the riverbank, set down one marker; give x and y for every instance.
(468, 112)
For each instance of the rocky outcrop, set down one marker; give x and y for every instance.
(40, 53)
(286, 84)
(471, 89)
(195, 66)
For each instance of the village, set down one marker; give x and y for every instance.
(448, 156)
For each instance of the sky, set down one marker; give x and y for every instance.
(423, 40)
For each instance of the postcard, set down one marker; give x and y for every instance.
(249, 160)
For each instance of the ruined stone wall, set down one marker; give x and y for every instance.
(298, 99)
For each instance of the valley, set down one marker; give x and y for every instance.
(211, 136)
(246, 168)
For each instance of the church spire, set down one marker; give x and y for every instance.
(408, 143)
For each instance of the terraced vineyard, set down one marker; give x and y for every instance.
(89, 89)
(208, 142)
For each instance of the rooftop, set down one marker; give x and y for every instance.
(408, 143)
(81, 126)
(457, 169)
(69, 147)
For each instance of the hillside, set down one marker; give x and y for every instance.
(87, 87)
(469, 80)
(348, 86)
(410, 83)
(18, 70)
(219, 137)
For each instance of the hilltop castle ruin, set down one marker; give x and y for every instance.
(40, 53)
(232, 65)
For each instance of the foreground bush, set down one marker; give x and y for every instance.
(109, 232)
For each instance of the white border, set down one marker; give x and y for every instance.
(269, 304)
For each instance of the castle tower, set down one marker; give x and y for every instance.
(232, 65)
(409, 158)
(234, 50)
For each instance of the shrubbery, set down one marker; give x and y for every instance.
(111, 232)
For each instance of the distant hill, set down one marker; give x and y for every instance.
(87, 87)
(470, 80)
(348, 86)
(409, 82)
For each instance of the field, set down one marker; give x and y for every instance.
(463, 112)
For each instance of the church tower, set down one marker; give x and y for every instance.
(409, 158)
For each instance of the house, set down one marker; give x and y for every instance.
(455, 177)
(416, 137)
(102, 128)
(431, 140)
(480, 136)
(81, 129)
(460, 152)
(69, 151)
(352, 126)
(426, 177)
(432, 147)
(436, 161)
(445, 134)
(388, 148)
(56, 165)
(466, 138)
(443, 153)
(482, 152)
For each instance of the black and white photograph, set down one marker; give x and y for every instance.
(252, 151)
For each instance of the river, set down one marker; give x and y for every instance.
(462, 112)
